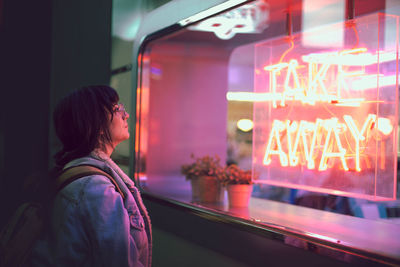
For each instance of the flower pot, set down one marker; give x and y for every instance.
(209, 189)
(239, 194)
(195, 189)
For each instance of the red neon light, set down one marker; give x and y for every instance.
(324, 120)
(318, 66)
(330, 130)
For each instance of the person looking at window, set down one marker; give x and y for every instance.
(90, 223)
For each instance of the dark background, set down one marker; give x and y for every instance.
(48, 48)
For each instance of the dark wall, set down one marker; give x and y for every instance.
(25, 86)
(47, 48)
(81, 37)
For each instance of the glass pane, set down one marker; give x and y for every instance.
(326, 118)
(207, 90)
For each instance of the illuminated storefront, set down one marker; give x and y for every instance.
(312, 112)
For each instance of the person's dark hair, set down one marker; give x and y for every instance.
(81, 121)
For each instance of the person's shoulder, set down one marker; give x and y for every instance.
(97, 185)
(87, 186)
(98, 193)
(94, 181)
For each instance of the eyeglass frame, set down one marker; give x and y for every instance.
(121, 108)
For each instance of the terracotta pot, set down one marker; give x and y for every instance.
(210, 189)
(239, 194)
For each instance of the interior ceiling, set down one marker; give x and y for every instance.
(276, 24)
(127, 15)
(319, 10)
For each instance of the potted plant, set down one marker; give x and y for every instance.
(239, 184)
(205, 175)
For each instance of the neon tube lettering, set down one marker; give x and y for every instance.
(318, 66)
(358, 135)
(324, 133)
(332, 126)
(277, 127)
(293, 159)
(318, 79)
(327, 140)
(291, 72)
(342, 74)
(274, 69)
(309, 152)
(305, 127)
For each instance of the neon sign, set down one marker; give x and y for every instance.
(328, 132)
(326, 121)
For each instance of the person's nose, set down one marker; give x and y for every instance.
(126, 115)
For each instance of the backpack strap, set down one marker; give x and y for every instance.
(74, 173)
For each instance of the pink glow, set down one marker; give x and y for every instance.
(326, 121)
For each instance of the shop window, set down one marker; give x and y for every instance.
(315, 124)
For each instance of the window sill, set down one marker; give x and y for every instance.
(377, 240)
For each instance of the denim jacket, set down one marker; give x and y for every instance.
(92, 225)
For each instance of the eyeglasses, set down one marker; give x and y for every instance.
(121, 108)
